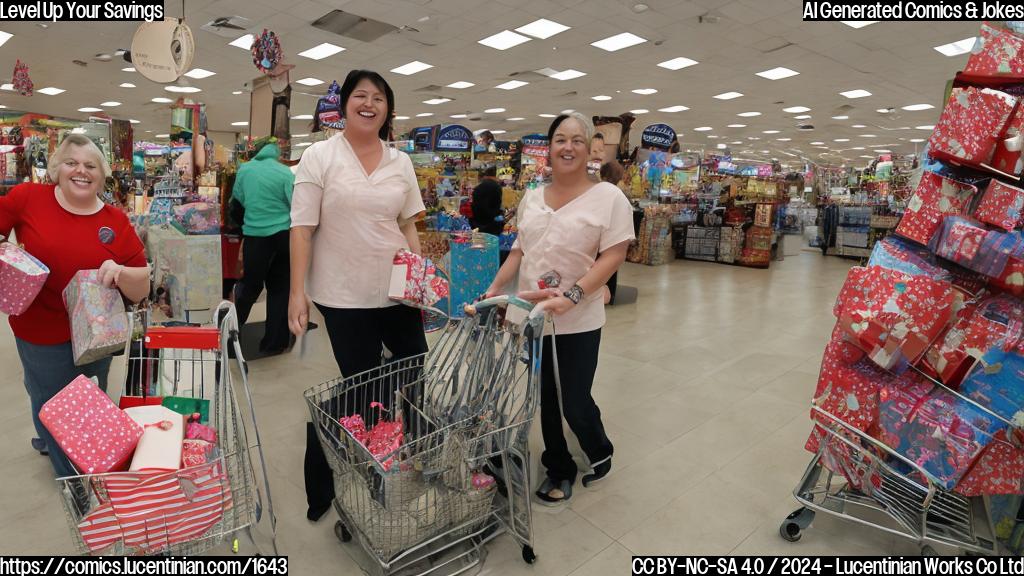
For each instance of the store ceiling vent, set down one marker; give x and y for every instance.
(227, 26)
(432, 89)
(352, 26)
(528, 76)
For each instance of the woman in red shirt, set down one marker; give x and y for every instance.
(68, 228)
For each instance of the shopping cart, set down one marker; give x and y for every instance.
(857, 478)
(192, 510)
(423, 502)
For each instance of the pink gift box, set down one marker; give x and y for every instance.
(21, 279)
(415, 281)
(1002, 206)
(971, 124)
(935, 198)
(91, 430)
(99, 323)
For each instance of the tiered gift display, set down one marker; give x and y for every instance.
(919, 406)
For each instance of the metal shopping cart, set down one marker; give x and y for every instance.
(422, 502)
(859, 479)
(194, 509)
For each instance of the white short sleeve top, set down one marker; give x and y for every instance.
(357, 218)
(568, 241)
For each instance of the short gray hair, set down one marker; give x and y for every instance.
(61, 153)
(588, 126)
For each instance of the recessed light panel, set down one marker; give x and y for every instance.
(917, 107)
(459, 116)
(312, 81)
(90, 109)
(670, 109)
(749, 114)
(728, 95)
(159, 100)
(778, 73)
(239, 123)
(494, 110)
(51, 91)
(678, 63)
(243, 42)
(436, 101)
(568, 75)
(856, 93)
(957, 48)
(512, 85)
(639, 111)
(424, 114)
(645, 91)
(321, 51)
(460, 85)
(504, 40)
(412, 68)
(618, 42)
(199, 73)
(737, 125)
(542, 29)
(601, 98)
(110, 104)
(858, 23)
(796, 109)
(303, 117)
(703, 129)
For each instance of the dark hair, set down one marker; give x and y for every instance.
(598, 136)
(491, 172)
(355, 77)
(612, 172)
(588, 128)
(486, 134)
(554, 126)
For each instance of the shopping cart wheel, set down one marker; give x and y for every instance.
(793, 526)
(342, 532)
(528, 555)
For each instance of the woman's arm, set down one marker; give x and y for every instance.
(606, 265)
(133, 282)
(506, 274)
(300, 251)
(412, 236)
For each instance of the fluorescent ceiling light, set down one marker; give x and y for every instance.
(396, 117)
(412, 68)
(783, 139)
(497, 131)
(243, 42)
(51, 91)
(542, 29)
(737, 142)
(925, 127)
(817, 143)
(504, 40)
(237, 92)
(133, 121)
(90, 109)
(162, 136)
(749, 114)
(4, 37)
(568, 111)
(857, 148)
(436, 101)
(311, 81)
(127, 85)
(802, 117)
(494, 110)
(858, 126)
(547, 115)
(424, 114)
(303, 117)
(670, 109)
(128, 69)
(858, 23)
(512, 85)
(239, 123)
(957, 48)
(885, 110)
(916, 107)
(728, 95)
(7, 87)
(796, 109)
(299, 135)
(639, 111)
(322, 51)
(722, 146)
(916, 140)
(703, 129)
(460, 85)
(712, 136)
(737, 125)
(459, 116)
(856, 93)
(645, 91)
(601, 98)
(770, 132)
(883, 151)
(868, 136)
(618, 42)
(516, 119)
(303, 144)
(752, 138)
(569, 74)
(841, 140)
(777, 73)
(840, 117)
(678, 63)
(110, 104)
(167, 101)
(182, 89)
(199, 73)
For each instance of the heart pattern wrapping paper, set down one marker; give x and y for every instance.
(21, 279)
(971, 125)
(99, 322)
(993, 323)
(996, 55)
(997, 383)
(895, 253)
(1001, 205)
(935, 198)
(999, 470)
(416, 281)
(976, 248)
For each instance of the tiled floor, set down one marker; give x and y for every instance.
(704, 384)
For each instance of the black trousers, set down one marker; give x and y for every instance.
(577, 363)
(267, 263)
(358, 337)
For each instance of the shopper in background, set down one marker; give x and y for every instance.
(356, 203)
(69, 229)
(597, 149)
(487, 203)
(611, 172)
(263, 189)
(562, 228)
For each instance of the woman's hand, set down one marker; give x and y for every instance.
(110, 273)
(298, 314)
(559, 305)
(537, 296)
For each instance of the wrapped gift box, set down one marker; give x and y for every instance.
(1002, 206)
(972, 123)
(897, 400)
(970, 245)
(994, 323)
(99, 322)
(186, 272)
(895, 253)
(1012, 278)
(935, 198)
(198, 218)
(161, 443)
(997, 383)
(999, 470)
(21, 279)
(998, 55)
(91, 430)
(415, 281)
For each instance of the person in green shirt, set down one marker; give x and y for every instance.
(263, 189)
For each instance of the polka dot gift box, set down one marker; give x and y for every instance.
(21, 278)
(91, 430)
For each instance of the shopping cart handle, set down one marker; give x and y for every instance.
(505, 300)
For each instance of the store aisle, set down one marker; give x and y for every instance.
(705, 385)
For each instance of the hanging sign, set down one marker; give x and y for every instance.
(453, 138)
(658, 137)
(535, 145)
(764, 171)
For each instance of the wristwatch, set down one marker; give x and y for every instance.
(575, 294)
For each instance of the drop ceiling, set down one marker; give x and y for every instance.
(732, 41)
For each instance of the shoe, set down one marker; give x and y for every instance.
(600, 471)
(39, 445)
(549, 486)
(315, 514)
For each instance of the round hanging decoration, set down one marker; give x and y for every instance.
(22, 83)
(266, 51)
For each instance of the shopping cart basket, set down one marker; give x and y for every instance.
(417, 496)
(859, 479)
(191, 510)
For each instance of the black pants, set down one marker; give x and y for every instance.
(358, 336)
(612, 284)
(266, 261)
(577, 363)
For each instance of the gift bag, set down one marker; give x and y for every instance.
(972, 123)
(99, 322)
(997, 383)
(94, 434)
(975, 248)
(188, 271)
(416, 282)
(162, 437)
(935, 198)
(198, 218)
(187, 406)
(473, 265)
(999, 470)
(1001, 206)
(997, 57)
(895, 253)
(21, 278)
(994, 323)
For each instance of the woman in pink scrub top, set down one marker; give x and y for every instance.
(581, 231)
